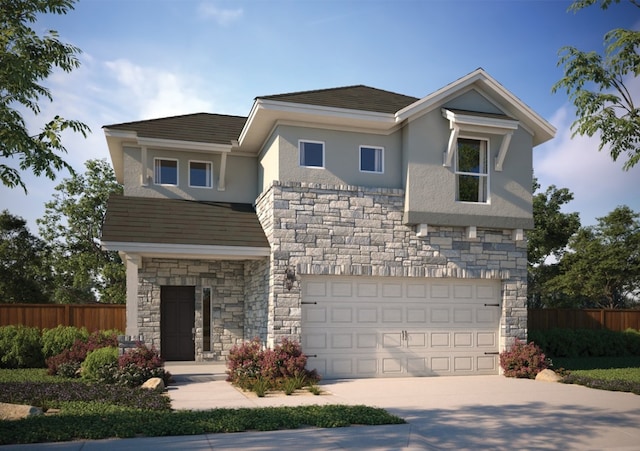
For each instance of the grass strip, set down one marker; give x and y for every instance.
(123, 423)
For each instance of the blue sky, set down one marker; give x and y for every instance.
(152, 58)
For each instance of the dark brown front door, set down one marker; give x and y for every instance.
(177, 316)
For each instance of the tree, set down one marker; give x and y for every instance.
(603, 267)
(26, 59)
(24, 276)
(72, 225)
(547, 242)
(596, 85)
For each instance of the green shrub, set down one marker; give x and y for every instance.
(68, 361)
(60, 338)
(587, 342)
(523, 360)
(101, 365)
(20, 347)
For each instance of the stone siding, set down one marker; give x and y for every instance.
(256, 277)
(227, 282)
(346, 230)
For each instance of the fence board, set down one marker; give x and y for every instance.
(544, 319)
(48, 316)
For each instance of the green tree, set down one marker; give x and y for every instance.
(603, 267)
(72, 225)
(547, 242)
(595, 84)
(26, 60)
(24, 275)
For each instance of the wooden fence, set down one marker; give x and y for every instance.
(544, 319)
(48, 316)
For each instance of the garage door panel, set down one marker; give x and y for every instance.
(376, 327)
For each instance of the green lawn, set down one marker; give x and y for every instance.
(90, 412)
(606, 373)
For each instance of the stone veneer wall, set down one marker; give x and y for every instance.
(256, 276)
(227, 282)
(347, 230)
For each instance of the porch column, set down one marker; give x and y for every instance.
(132, 262)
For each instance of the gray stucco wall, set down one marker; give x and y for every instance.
(241, 178)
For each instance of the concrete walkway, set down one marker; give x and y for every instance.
(443, 413)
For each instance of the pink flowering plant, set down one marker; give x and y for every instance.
(250, 366)
(523, 360)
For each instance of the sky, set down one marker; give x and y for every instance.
(144, 59)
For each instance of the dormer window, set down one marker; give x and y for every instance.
(472, 171)
(166, 171)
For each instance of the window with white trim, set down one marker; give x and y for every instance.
(472, 171)
(311, 153)
(166, 171)
(372, 159)
(200, 174)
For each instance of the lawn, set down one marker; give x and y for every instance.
(606, 373)
(90, 412)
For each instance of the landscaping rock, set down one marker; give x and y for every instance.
(548, 376)
(17, 411)
(155, 383)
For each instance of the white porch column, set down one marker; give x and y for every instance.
(132, 262)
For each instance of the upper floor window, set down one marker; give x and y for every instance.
(311, 153)
(372, 159)
(472, 171)
(166, 171)
(200, 174)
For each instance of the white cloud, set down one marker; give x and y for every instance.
(221, 16)
(151, 93)
(599, 184)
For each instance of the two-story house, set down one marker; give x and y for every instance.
(382, 231)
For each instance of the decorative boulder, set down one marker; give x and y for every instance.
(155, 383)
(548, 376)
(17, 411)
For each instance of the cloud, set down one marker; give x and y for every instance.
(598, 183)
(151, 93)
(221, 16)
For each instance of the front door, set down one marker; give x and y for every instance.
(177, 317)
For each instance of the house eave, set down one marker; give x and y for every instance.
(187, 251)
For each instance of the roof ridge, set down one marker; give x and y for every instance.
(337, 88)
(164, 118)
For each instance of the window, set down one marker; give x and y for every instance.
(371, 159)
(200, 174)
(206, 319)
(166, 172)
(311, 153)
(472, 171)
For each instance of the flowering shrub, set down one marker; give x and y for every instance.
(70, 359)
(138, 365)
(523, 360)
(249, 364)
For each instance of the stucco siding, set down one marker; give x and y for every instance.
(241, 176)
(341, 162)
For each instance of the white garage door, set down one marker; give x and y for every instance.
(355, 327)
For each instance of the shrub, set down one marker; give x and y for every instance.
(587, 342)
(60, 338)
(523, 360)
(101, 365)
(20, 347)
(70, 359)
(138, 365)
(249, 363)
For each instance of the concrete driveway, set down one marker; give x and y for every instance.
(443, 413)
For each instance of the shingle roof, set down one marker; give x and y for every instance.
(199, 127)
(175, 221)
(358, 97)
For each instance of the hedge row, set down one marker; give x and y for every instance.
(29, 347)
(587, 342)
